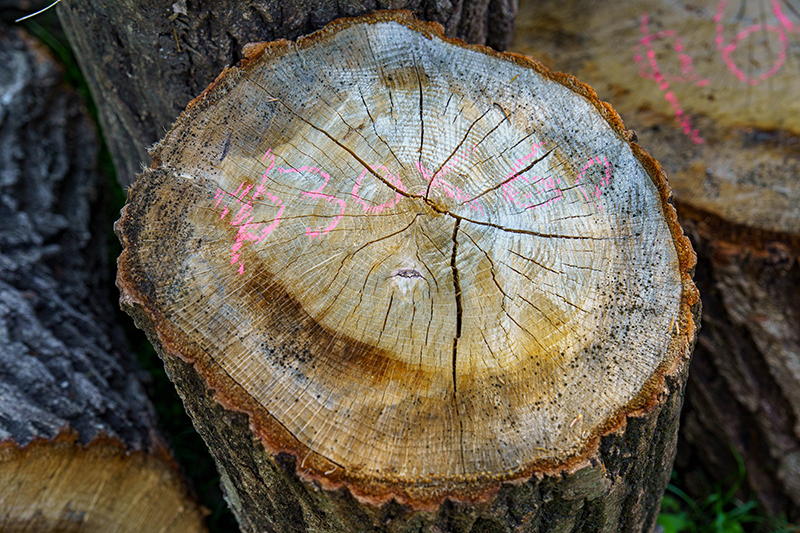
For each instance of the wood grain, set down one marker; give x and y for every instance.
(414, 271)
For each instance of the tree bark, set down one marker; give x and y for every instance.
(79, 450)
(711, 90)
(144, 61)
(425, 297)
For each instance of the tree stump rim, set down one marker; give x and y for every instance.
(425, 493)
(156, 458)
(68, 436)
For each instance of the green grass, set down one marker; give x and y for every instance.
(720, 512)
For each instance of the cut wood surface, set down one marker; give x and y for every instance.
(79, 450)
(711, 89)
(144, 61)
(422, 269)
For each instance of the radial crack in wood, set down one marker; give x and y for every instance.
(421, 268)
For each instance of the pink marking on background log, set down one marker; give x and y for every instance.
(389, 177)
(655, 73)
(726, 50)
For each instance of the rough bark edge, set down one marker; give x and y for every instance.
(756, 422)
(426, 494)
(620, 490)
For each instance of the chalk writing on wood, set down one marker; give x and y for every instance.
(521, 188)
(725, 44)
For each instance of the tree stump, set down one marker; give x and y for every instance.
(144, 61)
(711, 90)
(79, 448)
(407, 284)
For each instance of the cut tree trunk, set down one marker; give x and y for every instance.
(711, 89)
(405, 284)
(144, 61)
(78, 446)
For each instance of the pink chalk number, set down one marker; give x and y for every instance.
(317, 193)
(645, 57)
(783, 27)
(390, 178)
(605, 180)
(649, 68)
(250, 231)
(525, 192)
(530, 192)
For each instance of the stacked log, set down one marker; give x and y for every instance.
(711, 89)
(79, 448)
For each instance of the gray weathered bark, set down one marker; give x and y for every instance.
(144, 61)
(66, 359)
(69, 390)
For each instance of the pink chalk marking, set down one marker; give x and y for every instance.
(450, 190)
(726, 50)
(317, 193)
(256, 232)
(688, 75)
(391, 178)
(654, 73)
(650, 69)
(605, 179)
(243, 220)
(437, 181)
(539, 190)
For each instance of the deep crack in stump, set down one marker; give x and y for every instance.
(427, 272)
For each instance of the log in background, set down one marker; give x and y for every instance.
(78, 444)
(145, 61)
(711, 90)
